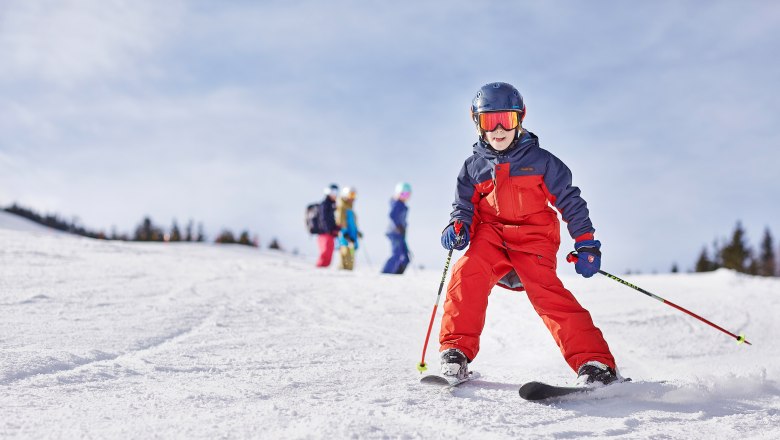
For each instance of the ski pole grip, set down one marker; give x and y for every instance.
(458, 227)
(572, 257)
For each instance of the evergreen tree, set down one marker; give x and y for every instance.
(767, 264)
(201, 237)
(175, 233)
(226, 237)
(144, 231)
(736, 254)
(675, 269)
(717, 260)
(275, 245)
(704, 264)
(188, 232)
(244, 239)
(752, 267)
(147, 231)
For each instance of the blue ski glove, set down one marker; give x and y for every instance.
(450, 239)
(588, 260)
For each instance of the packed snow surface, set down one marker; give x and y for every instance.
(126, 340)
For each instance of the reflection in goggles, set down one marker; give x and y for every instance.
(491, 120)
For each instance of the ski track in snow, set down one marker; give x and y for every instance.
(107, 339)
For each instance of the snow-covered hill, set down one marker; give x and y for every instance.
(14, 222)
(126, 340)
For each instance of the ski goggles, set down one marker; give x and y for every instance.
(508, 120)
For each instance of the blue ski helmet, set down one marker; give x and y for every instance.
(497, 96)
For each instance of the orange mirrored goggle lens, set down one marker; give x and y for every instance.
(490, 121)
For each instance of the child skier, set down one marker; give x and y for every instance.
(327, 221)
(502, 199)
(399, 259)
(349, 233)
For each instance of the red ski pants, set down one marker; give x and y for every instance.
(474, 276)
(325, 242)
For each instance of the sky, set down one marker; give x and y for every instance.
(237, 114)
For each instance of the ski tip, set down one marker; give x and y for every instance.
(433, 379)
(449, 382)
(531, 391)
(541, 391)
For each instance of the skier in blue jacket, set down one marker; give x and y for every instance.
(399, 259)
(349, 234)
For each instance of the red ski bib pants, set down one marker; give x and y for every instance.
(529, 248)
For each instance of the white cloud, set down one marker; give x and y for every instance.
(76, 41)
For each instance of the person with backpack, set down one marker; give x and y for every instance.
(327, 229)
(505, 194)
(399, 259)
(348, 233)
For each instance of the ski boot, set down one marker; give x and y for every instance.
(454, 364)
(596, 373)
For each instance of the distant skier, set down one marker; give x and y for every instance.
(327, 221)
(347, 222)
(399, 259)
(502, 197)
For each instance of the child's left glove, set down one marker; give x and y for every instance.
(588, 260)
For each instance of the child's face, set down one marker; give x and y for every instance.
(499, 138)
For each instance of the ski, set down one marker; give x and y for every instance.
(542, 391)
(444, 381)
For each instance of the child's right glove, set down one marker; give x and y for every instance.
(588, 260)
(450, 239)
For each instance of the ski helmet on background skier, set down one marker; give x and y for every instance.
(403, 190)
(332, 190)
(497, 103)
(348, 193)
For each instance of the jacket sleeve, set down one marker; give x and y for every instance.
(566, 198)
(351, 229)
(463, 206)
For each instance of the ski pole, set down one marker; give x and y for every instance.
(572, 258)
(368, 259)
(411, 257)
(422, 366)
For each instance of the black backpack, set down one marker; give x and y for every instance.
(313, 218)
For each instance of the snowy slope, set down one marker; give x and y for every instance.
(127, 340)
(14, 222)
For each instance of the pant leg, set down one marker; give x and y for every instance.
(569, 323)
(325, 242)
(404, 258)
(400, 256)
(347, 253)
(473, 276)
